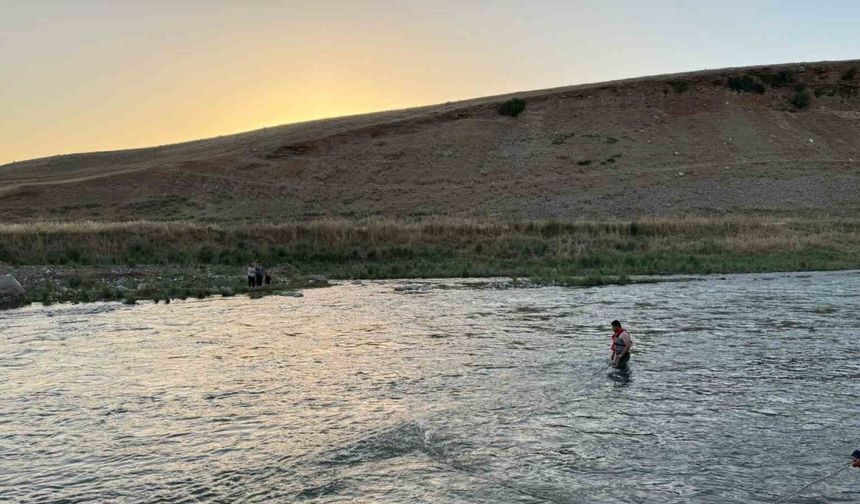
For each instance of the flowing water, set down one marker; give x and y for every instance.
(741, 389)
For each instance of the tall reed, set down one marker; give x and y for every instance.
(385, 247)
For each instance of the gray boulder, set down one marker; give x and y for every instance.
(9, 287)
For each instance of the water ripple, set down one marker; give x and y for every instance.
(741, 388)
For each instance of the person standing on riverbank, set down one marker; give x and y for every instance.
(258, 274)
(252, 276)
(621, 345)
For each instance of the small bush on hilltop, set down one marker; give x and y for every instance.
(802, 99)
(512, 107)
(779, 79)
(850, 73)
(680, 86)
(746, 83)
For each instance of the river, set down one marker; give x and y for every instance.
(741, 389)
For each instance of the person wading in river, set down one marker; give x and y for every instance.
(621, 345)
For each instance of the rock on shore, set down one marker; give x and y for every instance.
(10, 287)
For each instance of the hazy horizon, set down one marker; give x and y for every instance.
(93, 75)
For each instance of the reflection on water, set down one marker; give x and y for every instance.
(621, 376)
(740, 389)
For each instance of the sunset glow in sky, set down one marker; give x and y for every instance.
(85, 75)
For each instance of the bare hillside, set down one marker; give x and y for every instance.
(766, 140)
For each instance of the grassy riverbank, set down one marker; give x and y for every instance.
(547, 250)
(160, 283)
(448, 248)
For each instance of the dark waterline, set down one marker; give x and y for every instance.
(742, 388)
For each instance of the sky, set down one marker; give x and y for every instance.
(92, 75)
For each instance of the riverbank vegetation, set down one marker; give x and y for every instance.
(451, 248)
(159, 261)
(130, 285)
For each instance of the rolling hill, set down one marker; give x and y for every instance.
(774, 140)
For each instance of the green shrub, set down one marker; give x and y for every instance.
(746, 83)
(512, 107)
(206, 254)
(849, 74)
(139, 252)
(779, 79)
(103, 293)
(802, 99)
(73, 256)
(783, 78)
(680, 86)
